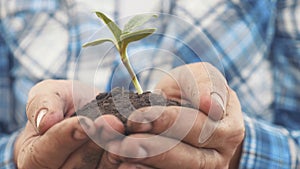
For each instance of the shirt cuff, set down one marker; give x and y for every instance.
(266, 146)
(7, 150)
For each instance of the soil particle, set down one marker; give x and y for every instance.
(122, 103)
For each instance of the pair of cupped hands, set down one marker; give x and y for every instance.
(209, 135)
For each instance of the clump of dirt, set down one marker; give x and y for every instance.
(122, 103)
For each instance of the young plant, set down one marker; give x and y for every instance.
(123, 37)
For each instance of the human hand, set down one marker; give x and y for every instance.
(54, 139)
(208, 136)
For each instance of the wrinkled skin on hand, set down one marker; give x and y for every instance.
(208, 136)
(53, 139)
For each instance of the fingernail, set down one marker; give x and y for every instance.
(79, 135)
(40, 116)
(141, 153)
(141, 126)
(112, 152)
(217, 108)
(145, 126)
(218, 99)
(131, 154)
(112, 158)
(135, 155)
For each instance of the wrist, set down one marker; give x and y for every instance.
(17, 147)
(235, 161)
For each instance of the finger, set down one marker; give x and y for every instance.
(180, 123)
(111, 129)
(147, 150)
(87, 156)
(111, 134)
(82, 94)
(201, 84)
(55, 146)
(106, 162)
(91, 154)
(110, 159)
(186, 124)
(227, 133)
(45, 110)
(50, 101)
(47, 103)
(218, 82)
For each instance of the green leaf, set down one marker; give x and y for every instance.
(97, 42)
(111, 25)
(135, 36)
(137, 21)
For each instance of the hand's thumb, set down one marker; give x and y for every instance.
(45, 110)
(51, 101)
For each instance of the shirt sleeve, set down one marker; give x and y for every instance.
(276, 144)
(8, 124)
(7, 150)
(6, 120)
(269, 146)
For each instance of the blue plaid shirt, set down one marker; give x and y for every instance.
(254, 43)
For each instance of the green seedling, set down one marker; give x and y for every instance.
(123, 37)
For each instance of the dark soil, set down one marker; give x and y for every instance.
(122, 103)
